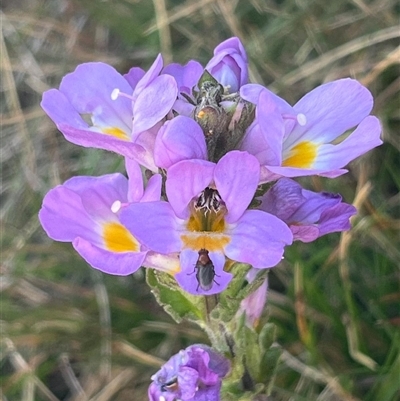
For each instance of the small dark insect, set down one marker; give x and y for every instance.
(209, 199)
(170, 385)
(205, 271)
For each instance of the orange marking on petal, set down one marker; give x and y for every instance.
(116, 132)
(211, 242)
(118, 239)
(301, 155)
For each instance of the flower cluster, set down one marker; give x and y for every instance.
(207, 139)
(194, 374)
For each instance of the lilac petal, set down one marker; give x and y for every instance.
(265, 137)
(187, 381)
(77, 131)
(99, 193)
(275, 172)
(60, 110)
(364, 138)
(134, 75)
(232, 43)
(225, 72)
(153, 189)
(252, 92)
(187, 279)
(64, 218)
(135, 189)
(120, 264)
(151, 74)
(183, 107)
(331, 109)
(308, 214)
(333, 173)
(199, 359)
(186, 179)
(217, 363)
(165, 263)
(153, 224)
(90, 139)
(336, 218)
(89, 90)
(229, 65)
(186, 76)
(304, 233)
(254, 143)
(154, 102)
(258, 238)
(253, 305)
(313, 205)
(179, 139)
(236, 177)
(267, 176)
(209, 393)
(283, 199)
(155, 393)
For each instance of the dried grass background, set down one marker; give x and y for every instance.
(71, 333)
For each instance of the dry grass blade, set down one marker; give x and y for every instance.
(328, 58)
(164, 32)
(349, 320)
(318, 376)
(132, 352)
(114, 386)
(21, 366)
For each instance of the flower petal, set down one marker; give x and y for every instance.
(283, 199)
(331, 109)
(364, 138)
(179, 139)
(153, 103)
(149, 76)
(236, 177)
(153, 189)
(64, 218)
(134, 75)
(154, 225)
(135, 187)
(89, 90)
(186, 179)
(120, 264)
(186, 75)
(258, 238)
(99, 193)
(252, 92)
(264, 137)
(336, 218)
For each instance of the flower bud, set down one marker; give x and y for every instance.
(229, 65)
(193, 374)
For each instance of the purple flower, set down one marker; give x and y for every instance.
(85, 211)
(306, 139)
(253, 305)
(229, 66)
(194, 374)
(308, 214)
(85, 113)
(206, 220)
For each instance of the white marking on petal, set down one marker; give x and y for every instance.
(301, 119)
(116, 206)
(115, 94)
(162, 398)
